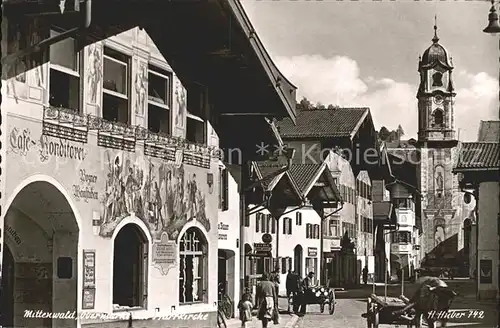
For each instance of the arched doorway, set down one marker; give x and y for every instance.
(297, 260)
(41, 232)
(7, 290)
(130, 263)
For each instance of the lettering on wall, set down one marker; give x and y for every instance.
(13, 234)
(21, 142)
(222, 227)
(164, 254)
(60, 148)
(86, 189)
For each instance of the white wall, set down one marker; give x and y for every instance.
(488, 208)
(229, 235)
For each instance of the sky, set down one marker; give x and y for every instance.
(365, 53)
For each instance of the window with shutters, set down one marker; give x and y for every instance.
(316, 231)
(287, 226)
(298, 218)
(308, 230)
(193, 267)
(273, 225)
(258, 218)
(130, 266)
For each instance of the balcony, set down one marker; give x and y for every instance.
(70, 125)
(401, 248)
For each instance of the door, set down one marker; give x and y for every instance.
(297, 260)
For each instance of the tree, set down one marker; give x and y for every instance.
(320, 106)
(333, 106)
(304, 104)
(384, 133)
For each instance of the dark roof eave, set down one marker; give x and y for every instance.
(281, 84)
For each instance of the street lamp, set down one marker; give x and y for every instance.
(493, 26)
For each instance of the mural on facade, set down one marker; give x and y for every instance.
(141, 80)
(35, 36)
(94, 73)
(164, 196)
(181, 98)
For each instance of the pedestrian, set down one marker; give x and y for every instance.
(275, 279)
(245, 306)
(297, 299)
(267, 299)
(365, 274)
(307, 283)
(292, 287)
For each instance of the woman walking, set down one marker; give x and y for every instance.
(267, 299)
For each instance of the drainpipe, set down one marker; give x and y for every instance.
(321, 248)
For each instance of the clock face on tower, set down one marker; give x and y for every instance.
(438, 99)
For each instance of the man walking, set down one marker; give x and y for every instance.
(307, 283)
(365, 274)
(275, 279)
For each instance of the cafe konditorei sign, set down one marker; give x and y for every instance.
(21, 142)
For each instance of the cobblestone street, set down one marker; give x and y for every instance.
(351, 304)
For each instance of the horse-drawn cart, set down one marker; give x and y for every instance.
(380, 310)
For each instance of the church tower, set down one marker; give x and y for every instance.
(442, 200)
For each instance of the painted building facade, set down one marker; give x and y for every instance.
(98, 217)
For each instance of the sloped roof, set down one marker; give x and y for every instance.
(489, 131)
(302, 174)
(323, 123)
(479, 156)
(266, 169)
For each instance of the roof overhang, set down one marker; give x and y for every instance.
(322, 188)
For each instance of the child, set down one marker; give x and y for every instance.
(245, 305)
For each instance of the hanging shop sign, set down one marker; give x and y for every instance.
(261, 247)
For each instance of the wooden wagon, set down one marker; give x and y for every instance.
(380, 310)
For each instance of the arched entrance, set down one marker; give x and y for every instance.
(130, 263)
(297, 260)
(41, 233)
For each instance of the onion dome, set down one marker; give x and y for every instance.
(436, 53)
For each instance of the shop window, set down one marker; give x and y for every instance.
(64, 84)
(193, 267)
(115, 102)
(263, 265)
(159, 100)
(130, 264)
